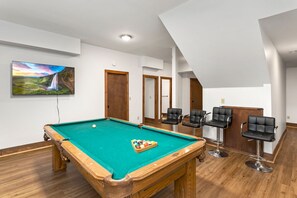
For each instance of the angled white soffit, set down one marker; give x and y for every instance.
(282, 30)
(221, 40)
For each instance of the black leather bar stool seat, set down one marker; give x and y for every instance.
(218, 124)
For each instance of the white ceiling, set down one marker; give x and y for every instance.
(99, 22)
(221, 40)
(282, 30)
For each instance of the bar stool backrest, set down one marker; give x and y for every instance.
(261, 124)
(221, 114)
(196, 115)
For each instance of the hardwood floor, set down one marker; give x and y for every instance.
(30, 175)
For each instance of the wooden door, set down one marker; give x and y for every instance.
(195, 94)
(117, 94)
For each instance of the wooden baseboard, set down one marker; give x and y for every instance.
(24, 148)
(291, 125)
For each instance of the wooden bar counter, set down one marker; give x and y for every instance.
(232, 136)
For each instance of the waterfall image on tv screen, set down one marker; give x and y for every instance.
(41, 79)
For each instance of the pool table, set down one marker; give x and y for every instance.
(101, 150)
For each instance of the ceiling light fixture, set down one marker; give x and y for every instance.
(126, 37)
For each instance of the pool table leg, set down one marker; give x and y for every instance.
(57, 162)
(201, 156)
(185, 186)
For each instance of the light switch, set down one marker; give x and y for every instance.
(222, 100)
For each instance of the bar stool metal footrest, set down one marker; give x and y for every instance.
(218, 153)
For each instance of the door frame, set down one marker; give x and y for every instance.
(170, 92)
(156, 78)
(191, 79)
(127, 93)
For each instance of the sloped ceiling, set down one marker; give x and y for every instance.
(282, 30)
(99, 22)
(221, 40)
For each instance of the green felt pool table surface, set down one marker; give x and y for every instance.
(109, 143)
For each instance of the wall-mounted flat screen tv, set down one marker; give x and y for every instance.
(41, 79)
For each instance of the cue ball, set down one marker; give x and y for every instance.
(94, 125)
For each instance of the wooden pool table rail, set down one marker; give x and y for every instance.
(179, 167)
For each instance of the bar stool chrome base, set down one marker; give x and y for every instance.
(218, 153)
(258, 166)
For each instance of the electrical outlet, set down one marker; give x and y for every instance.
(137, 117)
(288, 117)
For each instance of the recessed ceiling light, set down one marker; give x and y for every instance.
(126, 37)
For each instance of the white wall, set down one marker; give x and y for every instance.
(165, 72)
(22, 118)
(149, 98)
(291, 94)
(151, 62)
(20, 35)
(243, 97)
(277, 72)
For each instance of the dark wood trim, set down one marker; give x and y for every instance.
(170, 92)
(127, 93)
(245, 108)
(156, 78)
(149, 120)
(24, 148)
(291, 125)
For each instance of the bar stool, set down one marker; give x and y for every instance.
(259, 128)
(197, 119)
(174, 116)
(221, 119)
